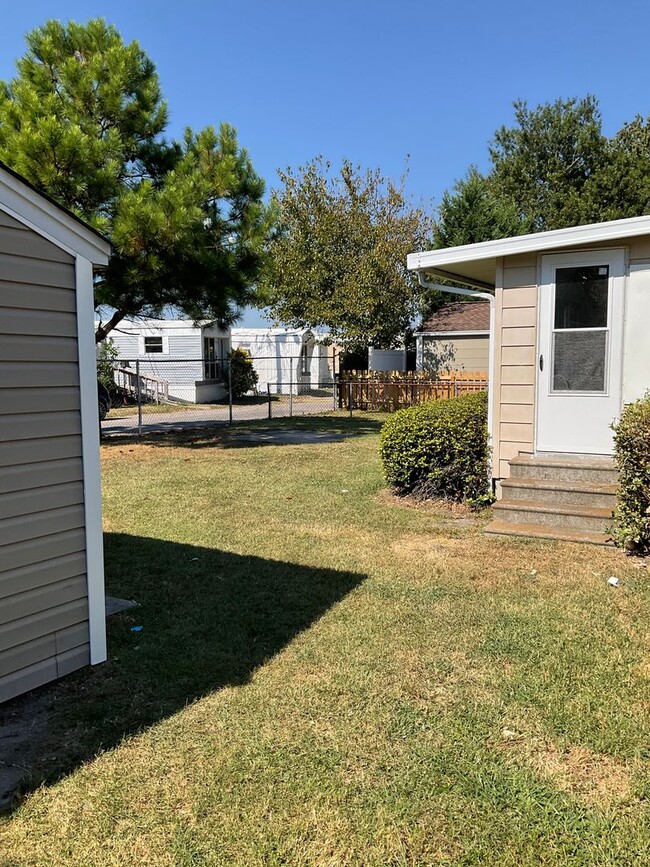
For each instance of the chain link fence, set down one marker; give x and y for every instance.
(143, 395)
(139, 396)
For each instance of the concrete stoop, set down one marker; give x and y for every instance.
(567, 497)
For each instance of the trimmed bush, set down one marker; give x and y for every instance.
(439, 449)
(632, 455)
(243, 374)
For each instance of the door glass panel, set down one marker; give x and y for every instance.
(581, 297)
(579, 360)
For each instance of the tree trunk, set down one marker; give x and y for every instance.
(103, 330)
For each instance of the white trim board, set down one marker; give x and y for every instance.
(557, 239)
(45, 218)
(451, 334)
(90, 459)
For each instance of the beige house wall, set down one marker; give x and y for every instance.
(43, 581)
(515, 374)
(471, 352)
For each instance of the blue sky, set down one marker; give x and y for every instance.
(371, 81)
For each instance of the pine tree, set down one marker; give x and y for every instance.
(84, 121)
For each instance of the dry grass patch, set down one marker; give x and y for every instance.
(594, 779)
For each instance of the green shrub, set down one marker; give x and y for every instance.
(632, 455)
(244, 376)
(107, 355)
(439, 449)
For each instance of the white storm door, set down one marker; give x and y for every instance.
(580, 351)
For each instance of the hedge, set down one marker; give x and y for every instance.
(631, 528)
(439, 449)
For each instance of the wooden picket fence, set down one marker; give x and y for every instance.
(388, 391)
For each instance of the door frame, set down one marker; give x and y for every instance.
(617, 258)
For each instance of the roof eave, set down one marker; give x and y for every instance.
(444, 260)
(42, 214)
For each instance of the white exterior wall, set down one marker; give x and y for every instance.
(636, 333)
(180, 362)
(276, 358)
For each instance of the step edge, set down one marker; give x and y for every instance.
(565, 463)
(532, 506)
(570, 486)
(541, 531)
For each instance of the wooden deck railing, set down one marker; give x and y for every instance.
(152, 388)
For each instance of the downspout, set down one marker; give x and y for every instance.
(486, 296)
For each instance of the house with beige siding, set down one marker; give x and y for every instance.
(52, 618)
(455, 337)
(570, 319)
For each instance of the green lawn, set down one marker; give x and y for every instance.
(329, 676)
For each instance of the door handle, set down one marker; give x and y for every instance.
(541, 362)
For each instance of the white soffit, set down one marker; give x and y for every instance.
(478, 262)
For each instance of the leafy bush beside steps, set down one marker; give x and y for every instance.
(439, 449)
(631, 528)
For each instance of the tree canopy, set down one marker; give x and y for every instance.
(339, 260)
(84, 120)
(552, 169)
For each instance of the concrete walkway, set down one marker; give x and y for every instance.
(125, 421)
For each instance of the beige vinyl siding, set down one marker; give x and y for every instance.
(515, 327)
(516, 348)
(43, 583)
(470, 353)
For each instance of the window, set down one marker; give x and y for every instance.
(153, 344)
(581, 328)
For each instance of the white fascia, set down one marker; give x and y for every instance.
(451, 333)
(45, 218)
(613, 230)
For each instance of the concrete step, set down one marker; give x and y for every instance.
(586, 518)
(540, 531)
(568, 468)
(560, 493)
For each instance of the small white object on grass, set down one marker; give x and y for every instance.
(613, 581)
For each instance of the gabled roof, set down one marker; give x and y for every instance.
(458, 316)
(476, 264)
(21, 200)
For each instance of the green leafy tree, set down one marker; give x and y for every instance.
(339, 259)
(543, 162)
(553, 168)
(84, 120)
(473, 212)
(621, 186)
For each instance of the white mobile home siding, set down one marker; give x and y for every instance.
(180, 363)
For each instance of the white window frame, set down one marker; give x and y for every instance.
(142, 342)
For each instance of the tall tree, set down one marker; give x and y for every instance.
(543, 162)
(472, 211)
(552, 168)
(621, 186)
(83, 120)
(339, 260)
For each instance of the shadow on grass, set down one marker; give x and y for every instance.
(238, 436)
(209, 619)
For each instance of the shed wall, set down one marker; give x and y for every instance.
(43, 580)
(470, 353)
